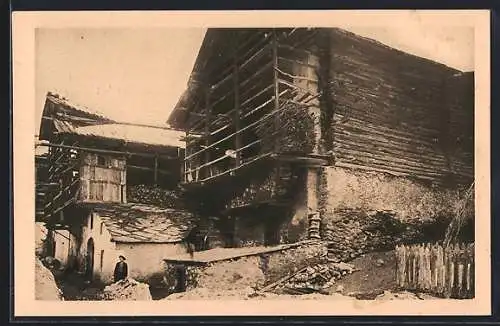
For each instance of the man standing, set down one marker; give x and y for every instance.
(121, 269)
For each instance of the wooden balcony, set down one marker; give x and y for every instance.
(264, 107)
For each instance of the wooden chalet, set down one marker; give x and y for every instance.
(269, 113)
(110, 188)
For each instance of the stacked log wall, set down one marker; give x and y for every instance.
(389, 108)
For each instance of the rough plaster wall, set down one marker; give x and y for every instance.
(363, 212)
(145, 260)
(40, 236)
(62, 240)
(101, 242)
(375, 191)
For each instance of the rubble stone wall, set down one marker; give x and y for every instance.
(249, 272)
(227, 275)
(279, 264)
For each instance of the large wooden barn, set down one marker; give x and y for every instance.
(306, 133)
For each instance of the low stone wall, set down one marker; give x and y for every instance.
(355, 231)
(253, 271)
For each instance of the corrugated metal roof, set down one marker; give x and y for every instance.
(134, 134)
(140, 223)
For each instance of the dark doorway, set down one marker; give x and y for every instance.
(181, 278)
(90, 259)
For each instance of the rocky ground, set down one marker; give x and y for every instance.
(45, 284)
(249, 294)
(128, 289)
(374, 274)
(369, 277)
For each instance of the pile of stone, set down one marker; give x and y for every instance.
(228, 275)
(317, 278)
(128, 289)
(154, 195)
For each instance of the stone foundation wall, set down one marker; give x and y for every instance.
(363, 212)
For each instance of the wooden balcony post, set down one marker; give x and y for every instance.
(156, 171)
(237, 140)
(276, 85)
(207, 127)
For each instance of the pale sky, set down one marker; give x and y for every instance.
(138, 74)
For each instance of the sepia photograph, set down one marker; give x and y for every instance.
(256, 162)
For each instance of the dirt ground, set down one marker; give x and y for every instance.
(374, 279)
(375, 273)
(74, 287)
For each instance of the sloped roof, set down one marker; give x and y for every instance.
(77, 108)
(134, 134)
(222, 254)
(140, 223)
(214, 47)
(61, 115)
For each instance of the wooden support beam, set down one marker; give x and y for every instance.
(156, 171)
(276, 85)
(208, 112)
(237, 109)
(66, 204)
(144, 168)
(106, 151)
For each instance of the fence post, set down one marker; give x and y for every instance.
(461, 271)
(434, 265)
(427, 264)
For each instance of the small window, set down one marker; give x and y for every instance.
(91, 221)
(101, 160)
(102, 259)
(101, 229)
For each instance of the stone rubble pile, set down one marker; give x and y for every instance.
(317, 278)
(128, 289)
(229, 275)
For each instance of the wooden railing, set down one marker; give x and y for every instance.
(432, 268)
(246, 118)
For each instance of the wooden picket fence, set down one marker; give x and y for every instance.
(443, 271)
